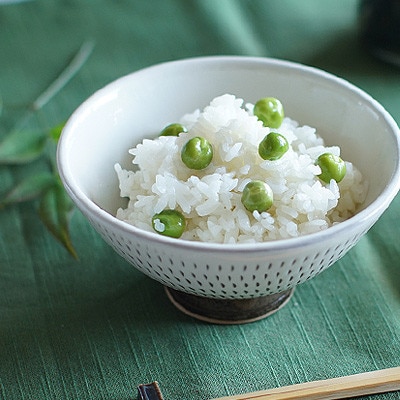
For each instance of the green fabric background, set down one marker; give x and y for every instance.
(96, 328)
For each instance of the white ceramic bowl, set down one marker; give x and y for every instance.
(209, 280)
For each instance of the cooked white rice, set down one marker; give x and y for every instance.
(210, 199)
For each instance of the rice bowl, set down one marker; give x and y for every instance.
(135, 107)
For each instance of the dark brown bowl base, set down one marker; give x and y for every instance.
(228, 311)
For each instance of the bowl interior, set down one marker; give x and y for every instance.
(137, 106)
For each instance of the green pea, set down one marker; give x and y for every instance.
(173, 130)
(257, 195)
(270, 111)
(197, 153)
(273, 146)
(169, 223)
(332, 167)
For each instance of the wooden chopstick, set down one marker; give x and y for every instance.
(381, 381)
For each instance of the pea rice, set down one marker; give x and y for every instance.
(210, 199)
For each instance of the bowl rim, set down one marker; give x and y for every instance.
(371, 213)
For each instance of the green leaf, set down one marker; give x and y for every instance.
(29, 188)
(21, 147)
(54, 211)
(55, 132)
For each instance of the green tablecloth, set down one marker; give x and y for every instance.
(96, 328)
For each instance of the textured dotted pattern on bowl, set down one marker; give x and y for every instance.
(222, 280)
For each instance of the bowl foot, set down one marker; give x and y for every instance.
(228, 311)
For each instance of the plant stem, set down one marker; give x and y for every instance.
(66, 75)
(72, 68)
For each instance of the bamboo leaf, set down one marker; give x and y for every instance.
(29, 188)
(20, 147)
(55, 132)
(54, 211)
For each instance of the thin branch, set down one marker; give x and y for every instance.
(66, 75)
(69, 72)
